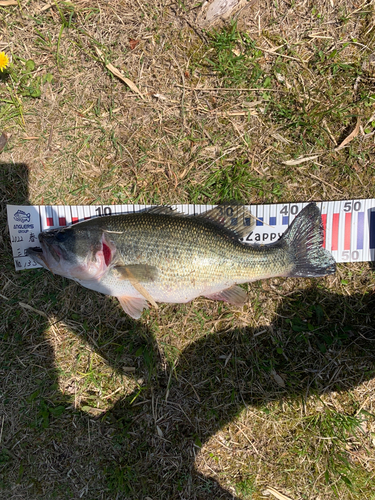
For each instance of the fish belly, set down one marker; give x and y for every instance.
(177, 294)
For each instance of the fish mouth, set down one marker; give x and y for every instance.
(43, 254)
(47, 243)
(36, 253)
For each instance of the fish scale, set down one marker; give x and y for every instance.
(190, 250)
(162, 256)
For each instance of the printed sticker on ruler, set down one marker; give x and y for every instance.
(24, 227)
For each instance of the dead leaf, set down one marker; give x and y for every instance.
(133, 43)
(233, 113)
(275, 493)
(46, 7)
(280, 138)
(300, 160)
(160, 96)
(32, 309)
(119, 75)
(279, 381)
(128, 82)
(159, 431)
(93, 411)
(251, 104)
(350, 137)
(4, 138)
(6, 3)
(224, 9)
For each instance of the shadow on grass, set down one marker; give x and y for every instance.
(148, 443)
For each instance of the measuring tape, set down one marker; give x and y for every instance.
(349, 225)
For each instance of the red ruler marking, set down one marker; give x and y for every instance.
(62, 221)
(74, 220)
(49, 221)
(324, 220)
(335, 231)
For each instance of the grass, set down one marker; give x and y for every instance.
(202, 400)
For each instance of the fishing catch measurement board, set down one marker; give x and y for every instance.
(349, 225)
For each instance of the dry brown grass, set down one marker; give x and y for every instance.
(201, 400)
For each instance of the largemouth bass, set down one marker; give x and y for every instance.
(163, 256)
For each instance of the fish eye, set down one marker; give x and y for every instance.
(60, 236)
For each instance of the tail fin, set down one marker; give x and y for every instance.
(304, 238)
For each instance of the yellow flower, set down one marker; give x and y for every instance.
(4, 61)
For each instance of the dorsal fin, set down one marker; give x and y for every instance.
(235, 218)
(164, 210)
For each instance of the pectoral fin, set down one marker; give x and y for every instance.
(133, 306)
(234, 295)
(139, 272)
(135, 274)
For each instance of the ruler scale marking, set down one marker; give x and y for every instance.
(349, 226)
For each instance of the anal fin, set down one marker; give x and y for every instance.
(133, 306)
(234, 295)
